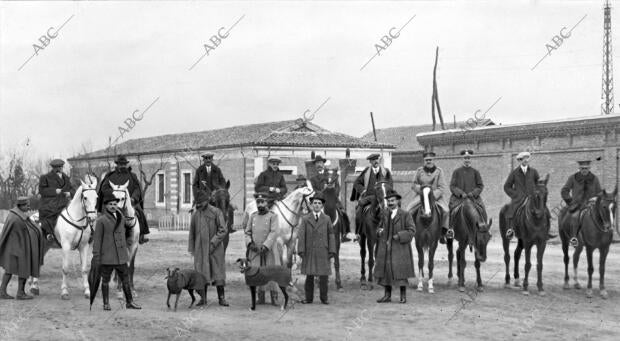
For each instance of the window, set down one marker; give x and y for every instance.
(160, 188)
(187, 187)
(288, 170)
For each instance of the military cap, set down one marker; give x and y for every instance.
(318, 196)
(429, 155)
(57, 163)
(373, 156)
(261, 196)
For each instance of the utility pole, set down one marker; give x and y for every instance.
(607, 93)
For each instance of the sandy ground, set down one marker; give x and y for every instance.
(496, 313)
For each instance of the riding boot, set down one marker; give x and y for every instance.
(220, 296)
(21, 294)
(261, 297)
(5, 282)
(105, 293)
(387, 296)
(274, 297)
(403, 294)
(130, 304)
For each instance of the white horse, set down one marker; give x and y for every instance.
(289, 214)
(73, 230)
(131, 220)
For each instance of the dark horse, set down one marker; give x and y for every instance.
(366, 229)
(221, 200)
(470, 228)
(531, 222)
(595, 231)
(427, 222)
(339, 219)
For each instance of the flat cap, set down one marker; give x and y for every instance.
(318, 158)
(584, 162)
(522, 155)
(373, 156)
(207, 156)
(57, 163)
(274, 159)
(121, 160)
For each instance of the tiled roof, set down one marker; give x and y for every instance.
(292, 133)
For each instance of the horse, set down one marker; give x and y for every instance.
(73, 231)
(340, 220)
(595, 231)
(131, 221)
(289, 214)
(428, 230)
(221, 200)
(531, 221)
(470, 228)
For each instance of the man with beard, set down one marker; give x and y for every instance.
(271, 181)
(120, 176)
(466, 182)
(364, 187)
(21, 249)
(209, 177)
(56, 192)
(260, 238)
(579, 188)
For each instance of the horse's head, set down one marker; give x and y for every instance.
(89, 198)
(221, 197)
(122, 194)
(539, 198)
(428, 201)
(482, 238)
(333, 178)
(381, 189)
(606, 207)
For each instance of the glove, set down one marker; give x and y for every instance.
(396, 237)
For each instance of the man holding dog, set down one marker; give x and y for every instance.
(316, 244)
(206, 235)
(260, 237)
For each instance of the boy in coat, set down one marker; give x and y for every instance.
(316, 245)
(393, 253)
(110, 250)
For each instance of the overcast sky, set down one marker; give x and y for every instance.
(283, 58)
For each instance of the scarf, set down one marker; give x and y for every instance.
(430, 170)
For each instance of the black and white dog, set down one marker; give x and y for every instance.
(258, 276)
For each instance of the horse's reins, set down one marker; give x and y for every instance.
(89, 222)
(129, 219)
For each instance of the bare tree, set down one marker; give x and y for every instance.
(148, 179)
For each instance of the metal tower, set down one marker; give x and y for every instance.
(607, 93)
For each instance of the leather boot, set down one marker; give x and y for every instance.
(274, 297)
(105, 293)
(261, 297)
(5, 283)
(21, 294)
(403, 294)
(220, 296)
(387, 296)
(129, 298)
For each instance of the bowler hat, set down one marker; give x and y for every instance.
(57, 163)
(109, 196)
(121, 160)
(23, 200)
(373, 156)
(318, 158)
(318, 196)
(392, 193)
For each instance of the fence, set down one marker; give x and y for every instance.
(174, 222)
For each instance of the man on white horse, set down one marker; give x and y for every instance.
(56, 192)
(121, 175)
(21, 249)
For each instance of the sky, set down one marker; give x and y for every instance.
(112, 60)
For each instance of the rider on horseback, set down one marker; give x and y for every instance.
(321, 180)
(433, 176)
(56, 192)
(466, 182)
(520, 184)
(364, 186)
(271, 181)
(208, 178)
(579, 188)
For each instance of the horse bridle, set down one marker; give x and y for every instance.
(89, 221)
(129, 219)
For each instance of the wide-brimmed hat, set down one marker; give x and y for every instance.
(522, 155)
(23, 200)
(121, 160)
(373, 156)
(109, 196)
(57, 163)
(319, 158)
(318, 196)
(392, 193)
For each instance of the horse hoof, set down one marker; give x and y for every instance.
(507, 286)
(542, 293)
(363, 286)
(480, 288)
(64, 296)
(577, 286)
(461, 289)
(34, 291)
(431, 290)
(420, 288)
(604, 294)
(589, 293)
(87, 295)
(516, 283)
(566, 286)
(525, 293)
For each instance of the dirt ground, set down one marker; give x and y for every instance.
(496, 313)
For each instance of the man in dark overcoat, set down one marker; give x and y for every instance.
(579, 188)
(364, 186)
(466, 182)
(394, 258)
(208, 178)
(520, 183)
(21, 249)
(56, 193)
(271, 181)
(316, 245)
(206, 235)
(320, 180)
(120, 176)
(110, 250)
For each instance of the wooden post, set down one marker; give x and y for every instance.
(374, 133)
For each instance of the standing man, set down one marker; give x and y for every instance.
(466, 182)
(579, 188)
(110, 250)
(260, 238)
(21, 249)
(320, 180)
(209, 177)
(364, 186)
(120, 176)
(206, 235)
(316, 245)
(394, 256)
(56, 192)
(271, 181)
(434, 177)
(520, 183)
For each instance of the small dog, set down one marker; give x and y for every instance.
(186, 279)
(258, 276)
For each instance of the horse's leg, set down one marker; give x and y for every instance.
(478, 277)
(131, 270)
(64, 289)
(420, 249)
(528, 266)
(564, 240)
(506, 247)
(601, 270)
(362, 242)
(431, 266)
(540, 251)
(337, 266)
(85, 267)
(517, 256)
(576, 255)
(460, 256)
(589, 252)
(450, 258)
(371, 260)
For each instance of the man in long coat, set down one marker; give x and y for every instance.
(394, 258)
(320, 180)
(466, 182)
(579, 188)
(520, 183)
(364, 186)
(435, 177)
(21, 249)
(120, 176)
(206, 235)
(260, 241)
(209, 177)
(56, 192)
(271, 181)
(316, 244)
